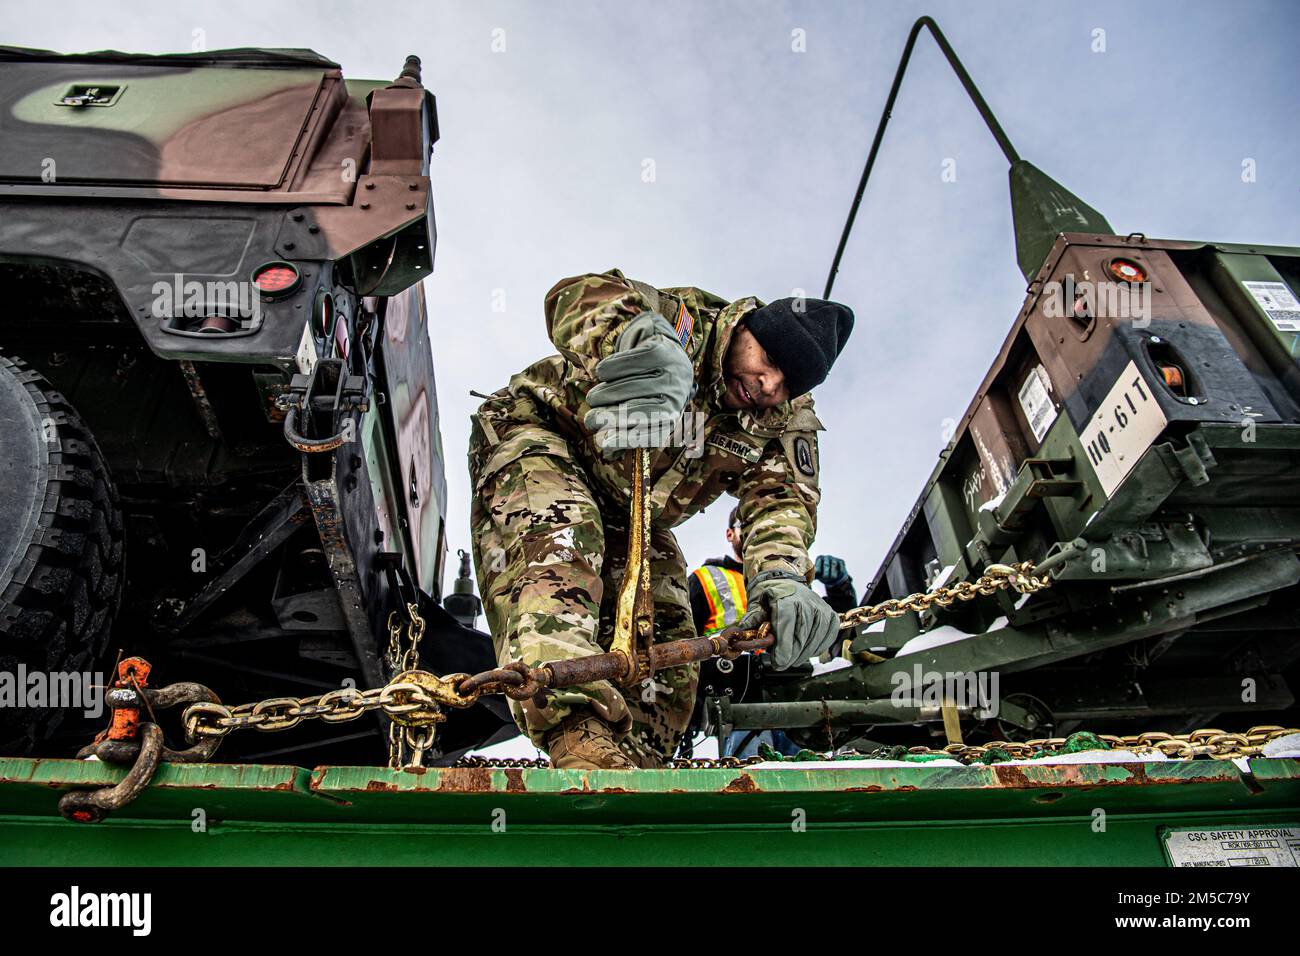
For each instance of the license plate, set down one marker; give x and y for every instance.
(1122, 429)
(1237, 846)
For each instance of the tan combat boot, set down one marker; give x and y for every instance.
(585, 742)
(642, 756)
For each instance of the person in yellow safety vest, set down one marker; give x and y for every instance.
(718, 600)
(718, 588)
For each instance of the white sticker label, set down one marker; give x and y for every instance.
(1122, 428)
(1036, 403)
(306, 350)
(1248, 846)
(1278, 302)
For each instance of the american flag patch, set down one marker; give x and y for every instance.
(684, 325)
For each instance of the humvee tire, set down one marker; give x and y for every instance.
(60, 545)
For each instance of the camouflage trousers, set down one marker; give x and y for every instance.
(549, 563)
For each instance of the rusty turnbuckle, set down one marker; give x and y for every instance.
(521, 682)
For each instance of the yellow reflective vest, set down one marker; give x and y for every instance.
(724, 589)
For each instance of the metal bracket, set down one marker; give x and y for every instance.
(322, 399)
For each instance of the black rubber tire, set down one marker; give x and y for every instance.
(60, 545)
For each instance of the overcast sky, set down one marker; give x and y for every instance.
(756, 151)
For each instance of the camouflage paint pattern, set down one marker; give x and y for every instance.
(349, 157)
(413, 407)
(549, 515)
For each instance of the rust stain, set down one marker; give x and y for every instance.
(1074, 777)
(465, 780)
(1070, 776)
(381, 786)
(587, 788)
(874, 788)
(1013, 777)
(742, 784)
(515, 781)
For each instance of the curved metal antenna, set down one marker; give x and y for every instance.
(990, 120)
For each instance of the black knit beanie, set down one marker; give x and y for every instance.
(803, 337)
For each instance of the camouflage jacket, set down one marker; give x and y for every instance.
(768, 460)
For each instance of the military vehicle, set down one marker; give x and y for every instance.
(1111, 531)
(1138, 439)
(221, 444)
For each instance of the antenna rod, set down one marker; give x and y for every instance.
(1007, 149)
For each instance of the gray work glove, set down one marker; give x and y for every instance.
(643, 387)
(804, 625)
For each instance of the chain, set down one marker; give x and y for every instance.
(412, 700)
(714, 763)
(398, 659)
(409, 732)
(472, 761)
(398, 699)
(996, 577)
(1212, 743)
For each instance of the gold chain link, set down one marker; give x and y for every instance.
(996, 577)
(411, 729)
(411, 700)
(1209, 742)
(281, 713)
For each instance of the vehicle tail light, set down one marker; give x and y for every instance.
(276, 279)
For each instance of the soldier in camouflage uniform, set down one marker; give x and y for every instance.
(551, 491)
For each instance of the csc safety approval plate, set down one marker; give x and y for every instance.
(1238, 846)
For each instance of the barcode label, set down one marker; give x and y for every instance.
(1278, 302)
(1036, 403)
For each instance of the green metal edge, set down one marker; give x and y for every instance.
(1007, 815)
(33, 786)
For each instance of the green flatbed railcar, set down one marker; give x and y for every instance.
(242, 814)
